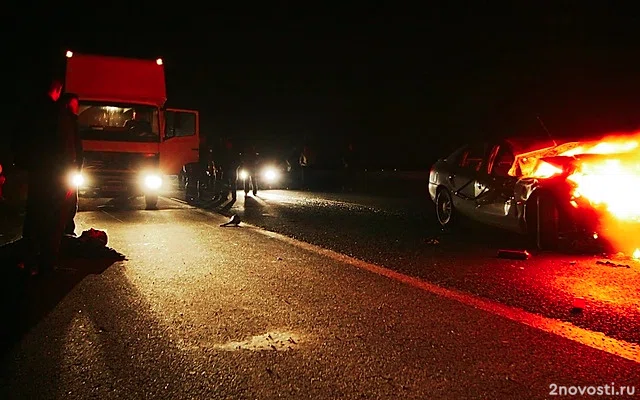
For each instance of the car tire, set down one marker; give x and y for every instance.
(445, 213)
(151, 201)
(547, 222)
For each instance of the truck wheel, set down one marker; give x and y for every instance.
(151, 201)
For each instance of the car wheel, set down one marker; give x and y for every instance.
(547, 222)
(151, 201)
(444, 208)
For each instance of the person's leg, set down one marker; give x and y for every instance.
(245, 183)
(254, 182)
(220, 186)
(233, 182)
(54, 221)
(34, 218)
(72, 209)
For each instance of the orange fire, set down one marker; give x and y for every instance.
(607, 174)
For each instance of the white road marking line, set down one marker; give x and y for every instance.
(178, 200)
(566, 330)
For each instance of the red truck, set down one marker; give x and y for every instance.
(132, 143)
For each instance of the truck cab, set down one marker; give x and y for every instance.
(131, 142)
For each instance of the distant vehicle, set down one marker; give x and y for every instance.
(537, 188)
(272, 173)
(131, 142)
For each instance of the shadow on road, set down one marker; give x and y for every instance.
(122, 204)
(74, 334)
(26, 300)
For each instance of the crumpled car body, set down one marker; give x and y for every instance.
(492, 183)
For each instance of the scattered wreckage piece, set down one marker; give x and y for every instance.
(514, 254)
(233, 221)
(612, 264)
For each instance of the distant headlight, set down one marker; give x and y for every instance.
(77, 179)
(153, 182)
(244, 174)
(271, 175)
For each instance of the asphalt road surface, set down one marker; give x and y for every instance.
(200, 311)
(401, 234)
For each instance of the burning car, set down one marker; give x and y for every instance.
(546, 190)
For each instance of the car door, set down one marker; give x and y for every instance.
(463, 179)
(181, 141)
(495, 203)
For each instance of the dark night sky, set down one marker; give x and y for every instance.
(410, 80)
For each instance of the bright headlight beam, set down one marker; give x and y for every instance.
(244, 174)
(153, 181)
(270, 175)
(77, 179)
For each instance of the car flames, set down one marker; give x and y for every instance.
(605, 173)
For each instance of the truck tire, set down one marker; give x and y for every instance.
(151, 201)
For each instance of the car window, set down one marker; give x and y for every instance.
(473, 157)
(503, 162)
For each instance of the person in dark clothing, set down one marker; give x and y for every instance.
(250, 165)
(216, 165)
(72, 156)
(304, 162)
(230, 161)
(38, 152)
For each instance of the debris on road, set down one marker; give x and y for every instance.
(514, 254)
(271, 341)
(94, 237)
(612, 264)
(233, 221)
(92, 244)
(578, 305)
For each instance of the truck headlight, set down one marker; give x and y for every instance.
(244, 174)
(152, 181)
(77, 179)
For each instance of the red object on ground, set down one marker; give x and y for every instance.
(94, 236)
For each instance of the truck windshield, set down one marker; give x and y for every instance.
(118, 122)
